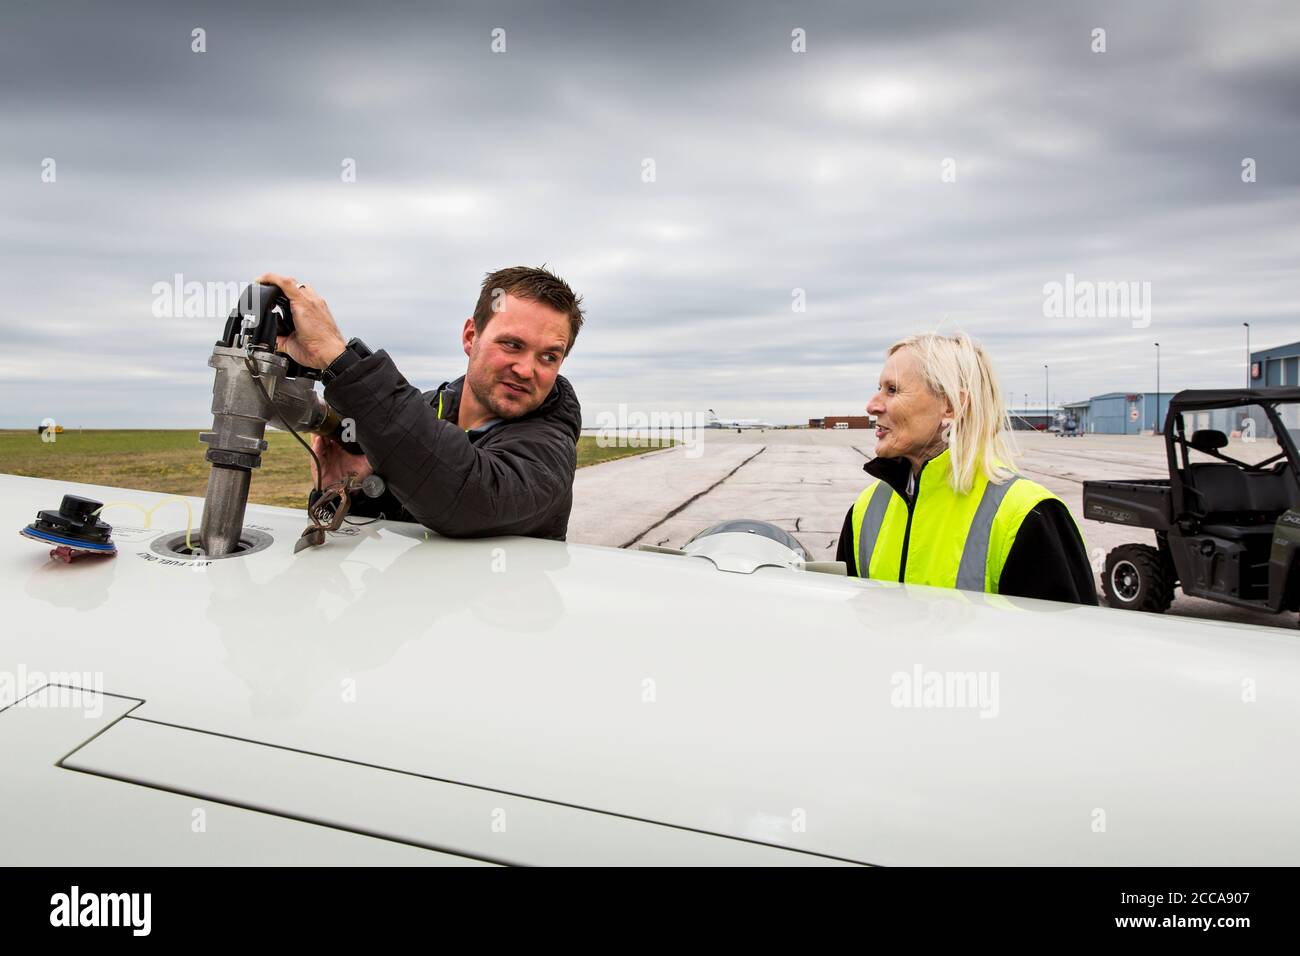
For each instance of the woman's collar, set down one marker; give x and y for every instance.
(938, 465)
(895, 471)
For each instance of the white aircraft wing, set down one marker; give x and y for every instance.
(397, 697)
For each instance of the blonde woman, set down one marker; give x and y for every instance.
(948, 509)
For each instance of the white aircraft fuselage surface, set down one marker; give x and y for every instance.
(398, 697)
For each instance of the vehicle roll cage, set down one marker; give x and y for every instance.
(1177, 444)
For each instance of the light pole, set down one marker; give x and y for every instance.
(1247, 325)
(1155, 425)
(1047, 399)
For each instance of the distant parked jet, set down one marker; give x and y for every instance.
(716, 422)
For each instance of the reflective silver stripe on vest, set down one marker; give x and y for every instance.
(975, 556)
(871, 524)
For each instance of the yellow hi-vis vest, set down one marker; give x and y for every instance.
(955, 540)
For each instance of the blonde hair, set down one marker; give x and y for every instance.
(956, 368)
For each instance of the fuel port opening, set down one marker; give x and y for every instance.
(172, 545)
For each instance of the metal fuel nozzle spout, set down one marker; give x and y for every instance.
(255, 385)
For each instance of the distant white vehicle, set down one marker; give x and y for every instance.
(742, 423)
(397, 697)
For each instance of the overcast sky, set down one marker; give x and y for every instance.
(773, 171)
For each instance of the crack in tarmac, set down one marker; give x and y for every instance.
(693, 498)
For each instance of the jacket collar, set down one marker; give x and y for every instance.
(895, 471)
(446, 399)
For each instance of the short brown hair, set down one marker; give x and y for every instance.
(535, 285)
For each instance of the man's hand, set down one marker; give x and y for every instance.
(335, 461)
(316, 340)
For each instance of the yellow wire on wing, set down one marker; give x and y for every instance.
(148, 513)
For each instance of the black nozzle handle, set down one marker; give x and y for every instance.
(270, 307)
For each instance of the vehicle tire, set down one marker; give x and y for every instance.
(1137, 578)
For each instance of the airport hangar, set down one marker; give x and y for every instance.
(1279, 365)
(1136, 413)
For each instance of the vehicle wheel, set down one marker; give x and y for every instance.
(1136, 578)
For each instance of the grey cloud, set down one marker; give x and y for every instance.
(775, 171)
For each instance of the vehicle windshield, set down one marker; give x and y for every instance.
(1251, 437)
(765, 528)
(1289, 412)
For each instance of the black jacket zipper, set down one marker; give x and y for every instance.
(907, 531)
(895, 472)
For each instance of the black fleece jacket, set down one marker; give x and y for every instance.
(512, 477)
(1048, 559)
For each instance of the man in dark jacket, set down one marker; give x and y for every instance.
(493, 452)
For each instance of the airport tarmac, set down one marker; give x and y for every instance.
(805, 480)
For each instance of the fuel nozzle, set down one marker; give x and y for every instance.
(255, 384)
